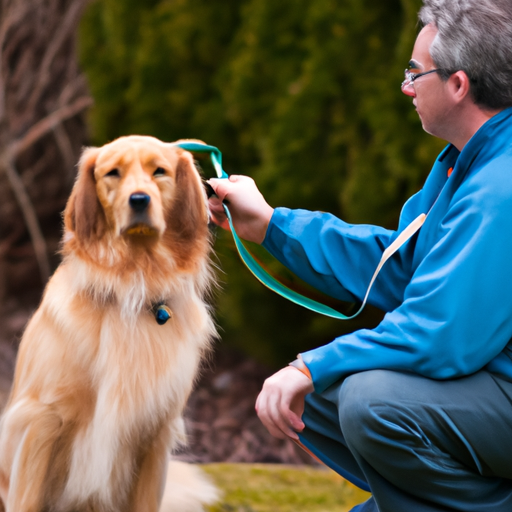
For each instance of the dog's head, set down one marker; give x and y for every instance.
(138, 190)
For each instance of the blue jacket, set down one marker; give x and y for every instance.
(447, 292)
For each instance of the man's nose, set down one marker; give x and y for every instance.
(408, 90)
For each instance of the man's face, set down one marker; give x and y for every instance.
(428, 91)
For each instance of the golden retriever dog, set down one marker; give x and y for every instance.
(108, 360)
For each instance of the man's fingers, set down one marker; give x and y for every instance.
(223, 186)
(216, 184)
(281, 420)
(250, 212)
(296, 423)
(277, 427)
(273, 408)
(217, 213)
(266, 416)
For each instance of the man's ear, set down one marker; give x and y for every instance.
(460, 85)
(84, 214)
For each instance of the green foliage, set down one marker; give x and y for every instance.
(152, 67)
(278, 488)
(302, 95)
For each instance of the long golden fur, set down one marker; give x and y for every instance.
(100, 386)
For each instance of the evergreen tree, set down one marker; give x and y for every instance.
(302, 95)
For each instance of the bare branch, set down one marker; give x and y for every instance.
(74, 88)
(10, 17)
(47, 124)
(30, 217)
(5, 244)
(68, 24)
(65, 148)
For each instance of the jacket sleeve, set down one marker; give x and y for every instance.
(336, 258)
(456, 312)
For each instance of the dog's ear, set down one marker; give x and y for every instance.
(187, 219)
(83, 214)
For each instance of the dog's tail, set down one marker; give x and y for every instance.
(187, 489)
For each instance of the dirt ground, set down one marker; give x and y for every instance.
(221, 422)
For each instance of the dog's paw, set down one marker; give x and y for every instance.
(187, 489)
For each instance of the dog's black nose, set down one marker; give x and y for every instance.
(139, 201)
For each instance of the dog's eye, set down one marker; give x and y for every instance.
(113, 173)
(160, 171)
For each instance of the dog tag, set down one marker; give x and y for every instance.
(163, 313)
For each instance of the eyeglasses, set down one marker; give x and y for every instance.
(410, 77)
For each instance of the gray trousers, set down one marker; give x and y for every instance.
(418, 445)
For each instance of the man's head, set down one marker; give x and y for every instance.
(474, 36)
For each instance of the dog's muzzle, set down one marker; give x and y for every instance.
(139, 202)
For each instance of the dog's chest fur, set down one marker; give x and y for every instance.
(140, 374)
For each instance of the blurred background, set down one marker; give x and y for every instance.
(302, 95)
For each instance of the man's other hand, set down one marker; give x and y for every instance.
(281, 402)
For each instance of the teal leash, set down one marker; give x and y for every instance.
(272, 283)
(215, 155)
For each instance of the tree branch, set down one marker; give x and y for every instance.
(30, 217)
(11, 16)
(16, 148)
(66, 150)
(69, 22)
(46, 125)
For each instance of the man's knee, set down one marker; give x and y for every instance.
(371, 407)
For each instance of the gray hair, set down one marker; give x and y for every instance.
(474, 36)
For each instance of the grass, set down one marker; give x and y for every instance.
(279, 488)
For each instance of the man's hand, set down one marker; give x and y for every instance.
(250, 212)
(281, 402)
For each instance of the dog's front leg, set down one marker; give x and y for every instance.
(31, 462)
(151, 478)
